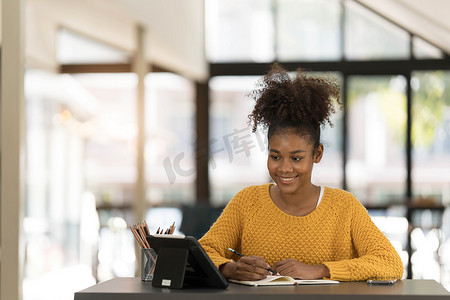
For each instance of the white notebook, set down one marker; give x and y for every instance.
(284, 280)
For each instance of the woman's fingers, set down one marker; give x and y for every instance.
(253, 266)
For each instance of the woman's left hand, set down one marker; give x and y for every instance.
(296, 269)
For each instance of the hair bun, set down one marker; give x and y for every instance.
(302, 98)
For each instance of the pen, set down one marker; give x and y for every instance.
(172, 228)
(242, 255)
(147, 231)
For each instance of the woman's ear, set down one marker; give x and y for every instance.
(318, 153)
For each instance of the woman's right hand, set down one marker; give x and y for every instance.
(246, 268)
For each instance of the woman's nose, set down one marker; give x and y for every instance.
(286, 166)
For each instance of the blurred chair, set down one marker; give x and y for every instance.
(197, 219)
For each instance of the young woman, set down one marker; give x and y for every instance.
(291, 225)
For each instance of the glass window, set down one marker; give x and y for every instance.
(74, 48)
(376, 138)
(238, 156)
(170, 145)
(80, 162)
(430, 175)
(110, 153)
(329, 172)
(424, 50)
(54, 187)
(431, 137)
(369, 36)
(394, 226)
(239, 30)
(430, 244)
(109, 161)
(308, 30)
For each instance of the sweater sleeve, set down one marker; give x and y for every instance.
(375, 255)
(224, 233)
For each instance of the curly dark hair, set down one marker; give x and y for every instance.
(303, 103)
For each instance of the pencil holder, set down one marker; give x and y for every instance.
(148, 263)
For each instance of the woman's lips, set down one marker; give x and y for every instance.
(287, 180)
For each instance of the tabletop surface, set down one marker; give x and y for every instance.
(134, 288)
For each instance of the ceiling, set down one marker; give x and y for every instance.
(426, 19)
(174, 29)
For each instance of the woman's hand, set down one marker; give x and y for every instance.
(296, 269)
(246, 268)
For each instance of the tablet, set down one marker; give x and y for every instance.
(183, 261)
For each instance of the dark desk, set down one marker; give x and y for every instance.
(135, 289)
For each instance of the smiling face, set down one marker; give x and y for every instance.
(291, 159)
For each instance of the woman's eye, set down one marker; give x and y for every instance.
(297, 158)
(274, 157)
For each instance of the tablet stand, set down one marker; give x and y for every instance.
(170, 268)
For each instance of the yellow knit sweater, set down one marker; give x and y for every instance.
(338, 233)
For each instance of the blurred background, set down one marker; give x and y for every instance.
(137, 110)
